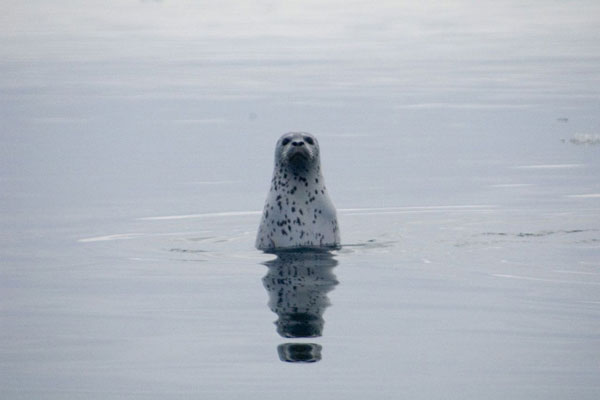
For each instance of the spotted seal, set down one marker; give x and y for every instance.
(298, 212)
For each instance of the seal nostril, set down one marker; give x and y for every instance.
(298, 143)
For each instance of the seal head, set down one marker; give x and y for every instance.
(297, 152)
(298, 212)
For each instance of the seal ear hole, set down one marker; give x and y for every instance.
(309, 140)
(285, 141)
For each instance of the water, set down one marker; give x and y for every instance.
(135, 155)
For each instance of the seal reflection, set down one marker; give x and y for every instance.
(298, 282)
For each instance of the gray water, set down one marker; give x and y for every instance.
(459, 143)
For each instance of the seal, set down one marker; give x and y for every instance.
(298, 212)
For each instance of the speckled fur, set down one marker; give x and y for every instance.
(298, 211)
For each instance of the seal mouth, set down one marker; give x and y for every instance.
(298, 157)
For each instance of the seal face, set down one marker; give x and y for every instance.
(298, 212)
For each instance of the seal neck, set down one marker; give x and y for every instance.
(298, 171)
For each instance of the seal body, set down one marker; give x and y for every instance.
(298, 212)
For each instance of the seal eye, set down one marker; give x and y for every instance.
(309, 140)
(285, 141)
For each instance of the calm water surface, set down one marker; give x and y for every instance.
(459, 143)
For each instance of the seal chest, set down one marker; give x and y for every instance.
(298, 211)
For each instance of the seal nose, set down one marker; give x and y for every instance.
(297, 143)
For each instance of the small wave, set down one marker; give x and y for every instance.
(128, 236)
(550, 166)
(538, 234)
(190, 251)
(562, 271)
(585, 139)
(370, 244)
(348, 211)
(200, 121)
(203, 215)
(585, 196)
(531, 278)
(511, 185)
(209, 183)
(418, 208)
(106, 238)
(508, 237)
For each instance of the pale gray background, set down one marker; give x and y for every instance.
(470, 207)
